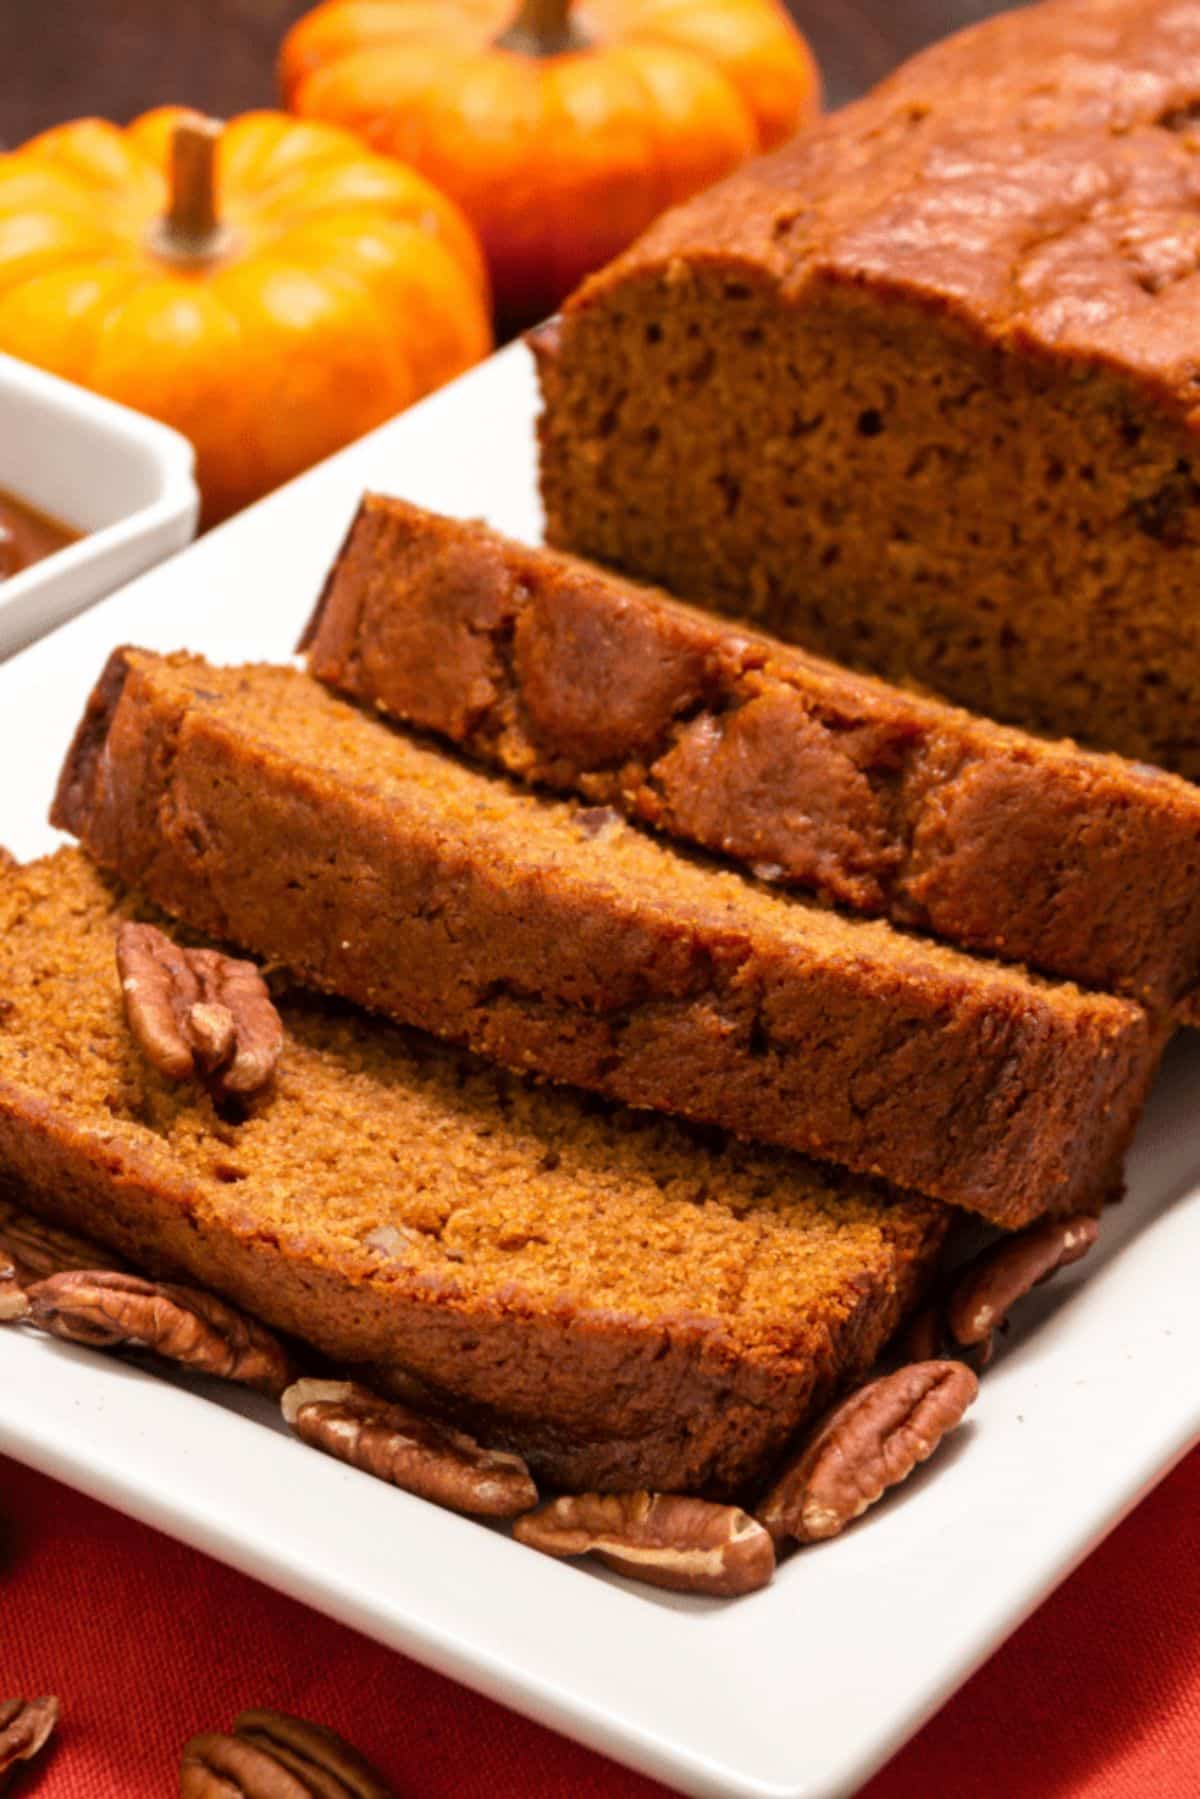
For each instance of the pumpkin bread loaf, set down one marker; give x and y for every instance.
(618, 1300)
(257, 807)
(1081, 865)
(921, 389)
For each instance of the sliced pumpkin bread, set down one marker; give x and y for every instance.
(257, 807)
(621, 1300)
(567, 675)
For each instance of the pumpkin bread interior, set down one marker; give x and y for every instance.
(614, 1295)
(255, 806)
(919, 390)
(570, 676)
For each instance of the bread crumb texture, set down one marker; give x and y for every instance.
(919, 390)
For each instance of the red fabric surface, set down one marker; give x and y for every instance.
(146, 1641)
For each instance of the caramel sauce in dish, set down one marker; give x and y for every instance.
(27, 536)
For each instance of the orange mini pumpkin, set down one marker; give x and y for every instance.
(561, 133)
(269, 288)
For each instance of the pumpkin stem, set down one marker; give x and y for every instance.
(191, 231)
(543, 28)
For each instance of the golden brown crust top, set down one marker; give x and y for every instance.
(1036, 175)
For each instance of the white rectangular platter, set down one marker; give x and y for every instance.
(798, 1692)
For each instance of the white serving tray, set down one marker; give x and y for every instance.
(798, 1692)
(122, 479)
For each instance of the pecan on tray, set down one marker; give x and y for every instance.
(25, 1728)
(197, 1013)
(182, 1324)
(13, 1301)
(925, 1338)
(869, 1443)
(963, 1319)
(928, 1339)
(31, 1249)
(396, 1444)
(273, 1756)
(1009, 1269)
(664, 1539)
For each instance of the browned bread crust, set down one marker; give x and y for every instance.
(920, 390)
(257, 807)
(1080, 865)
(622, 1302)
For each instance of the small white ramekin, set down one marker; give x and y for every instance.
(122, 479)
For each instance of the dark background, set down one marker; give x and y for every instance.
(63, 58)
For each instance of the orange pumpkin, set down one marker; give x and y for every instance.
(269, 288)
(561, 133)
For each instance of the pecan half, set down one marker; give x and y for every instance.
(13, 1302)
(307, 1748)
(928, 1339)
(215, 1766)
(39, 1248)
(196, 1012)
(181, 1324)
(25, 1728)
(386, 1439)
(273, 1756)
(923, 1339)
(1007, 1270)
(869, 1443)
(30, 1249)
(664, 1539)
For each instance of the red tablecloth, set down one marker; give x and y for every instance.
(146, 1641)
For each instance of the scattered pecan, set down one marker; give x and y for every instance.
(664, 1539)
(871, 1442)
(25, 1728)
(39, 1248)
(309, 1748)
(391, 1381)
(215, 1766)
(13, 1303)
(30, 1249)
(182, 1324)
(923, 1340)
(1007, 1270)
(928, 1339)
(195, 1012)
(272, 1756)
(386, 1439)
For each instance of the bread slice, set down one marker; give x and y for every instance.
(920, 389)
(256, 806)
(1080, 865)
(622, 1301)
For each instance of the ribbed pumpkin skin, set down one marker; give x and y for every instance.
(351, 287)
(560, 160)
